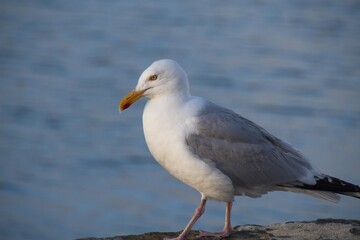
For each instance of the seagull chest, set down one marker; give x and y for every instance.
(165, 133)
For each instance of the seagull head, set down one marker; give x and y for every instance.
(160, 78)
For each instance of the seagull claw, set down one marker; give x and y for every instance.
(222, 234)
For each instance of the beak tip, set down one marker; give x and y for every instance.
(124, 106)
(128, 100)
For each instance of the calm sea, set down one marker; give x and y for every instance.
(72, 166)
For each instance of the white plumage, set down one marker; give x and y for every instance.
(218, 152)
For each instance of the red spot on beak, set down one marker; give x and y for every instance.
(126, 105)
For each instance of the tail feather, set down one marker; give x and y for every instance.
(331, 184)
(326, 187)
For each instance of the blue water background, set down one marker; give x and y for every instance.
(72, 166)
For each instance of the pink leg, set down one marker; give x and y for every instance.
(198, 212)
(227, 227)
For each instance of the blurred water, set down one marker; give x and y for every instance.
(71, 166)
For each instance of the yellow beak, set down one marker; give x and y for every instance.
(129, 99)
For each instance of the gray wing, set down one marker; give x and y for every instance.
(245, 152)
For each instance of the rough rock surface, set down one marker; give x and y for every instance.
(320, 229)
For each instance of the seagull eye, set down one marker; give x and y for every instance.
(153, 77)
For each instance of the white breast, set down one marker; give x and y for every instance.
(166, 122)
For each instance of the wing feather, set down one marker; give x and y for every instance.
(242, 150)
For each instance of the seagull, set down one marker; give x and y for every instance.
(218, 152)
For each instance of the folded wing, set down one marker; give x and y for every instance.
(249, 155)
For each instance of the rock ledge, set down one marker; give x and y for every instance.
(320, 229)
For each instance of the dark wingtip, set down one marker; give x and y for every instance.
(333, 184)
